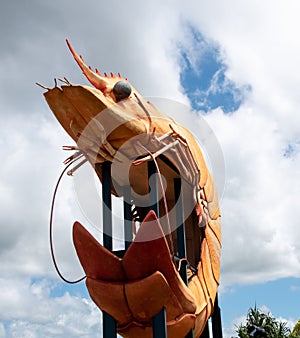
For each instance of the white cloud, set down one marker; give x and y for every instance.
(259, 46)
(259, 223)
(31, 311)
(258, 240)
(295, 288)
(229, 332)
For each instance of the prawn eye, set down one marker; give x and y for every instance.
(121, 90)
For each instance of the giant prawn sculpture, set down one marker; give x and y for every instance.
(113, 122)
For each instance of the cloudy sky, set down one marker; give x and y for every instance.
(235, 63)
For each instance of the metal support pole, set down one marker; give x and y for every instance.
(181, 243)
(205, 333)
(181, 239)
(127, 217)
(216, 320)
(159, 324)
(109, 324)
(106, 196)
(159, 321)
(153, 190)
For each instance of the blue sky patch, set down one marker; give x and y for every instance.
(291, 149)
(204, 79)
(59, 289)
(280, 296)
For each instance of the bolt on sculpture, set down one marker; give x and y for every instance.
(112, 122)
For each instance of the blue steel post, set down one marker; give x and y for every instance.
(181, 243)
(109, 324)
(181, 239)
(205, 333)
(216, 322)
(159, 321)
(106, 196)
(127, 217)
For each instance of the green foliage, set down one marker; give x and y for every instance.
(296, 331)
(259, 324)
